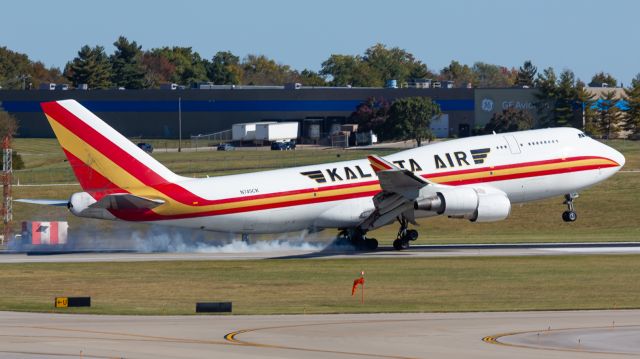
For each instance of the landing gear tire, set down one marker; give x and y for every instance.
(569, 216)
(405, 235)
(357, 239)
(411, 235)
(400, 244)
(371, 244)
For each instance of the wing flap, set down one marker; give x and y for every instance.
(400, 188)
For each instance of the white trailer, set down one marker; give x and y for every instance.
(245, 131)
(279, 131)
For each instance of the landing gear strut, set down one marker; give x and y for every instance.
(405, 235)
(357, 238)
(570, 215)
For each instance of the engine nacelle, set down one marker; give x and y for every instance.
(79, 204)
(491, 208)
(474, 204)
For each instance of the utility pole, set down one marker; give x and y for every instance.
(179, 124)
(7, 208)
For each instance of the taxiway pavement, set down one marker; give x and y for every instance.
(567, 334)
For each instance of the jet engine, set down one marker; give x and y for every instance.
(474, 204)
(80, 205)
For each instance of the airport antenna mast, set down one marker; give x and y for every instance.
(7, 169)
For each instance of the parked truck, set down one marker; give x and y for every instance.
(279, 131)
(245, 131)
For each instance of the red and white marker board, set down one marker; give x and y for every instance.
(51, 233)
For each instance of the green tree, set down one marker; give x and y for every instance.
(603, 78)
(410, 118)
(348, 70)
(40, 73)
(632, 111)
(509, 120)
(158, 69)
(225, 69)
(261, 70)
(585, 101)
(91, 67)
(126, 63)
(460, 74)
(609, 115)
(371, 115)
(489, 75)
(14, 69)
(312, 78)
(566, 95)
(526, 75)
(393, 64)
(546, 97)
(190, 68)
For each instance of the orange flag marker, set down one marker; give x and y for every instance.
(355, 286)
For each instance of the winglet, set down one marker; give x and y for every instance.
(378, 164)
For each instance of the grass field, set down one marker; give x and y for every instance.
(324, 286)
(606, 212)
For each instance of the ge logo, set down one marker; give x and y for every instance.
(487, 105)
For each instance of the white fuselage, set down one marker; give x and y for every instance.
(526, 166)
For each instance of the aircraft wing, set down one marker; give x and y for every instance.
(126, 201)
(44, 202)
(400, 188)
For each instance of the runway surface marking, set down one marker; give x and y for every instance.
(137, 337)
(232, 337)
(580, 346)
(128, 337)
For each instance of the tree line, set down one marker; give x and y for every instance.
(562, 100)
(131, 67)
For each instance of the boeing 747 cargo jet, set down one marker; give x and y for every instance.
(476, 178)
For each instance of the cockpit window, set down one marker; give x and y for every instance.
(581, 135)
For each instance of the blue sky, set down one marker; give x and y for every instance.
(586, 36)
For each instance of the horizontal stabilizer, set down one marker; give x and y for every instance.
(44, 202)
(125, 201)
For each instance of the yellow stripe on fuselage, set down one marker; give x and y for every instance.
(518, 170)
(123, 179)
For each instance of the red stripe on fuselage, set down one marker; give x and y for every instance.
(151, 216)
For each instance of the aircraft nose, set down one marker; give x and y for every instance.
(618, 157)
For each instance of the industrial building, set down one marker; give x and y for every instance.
(167, 112)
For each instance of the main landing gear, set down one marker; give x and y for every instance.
(570, 215)
(405, 235)
(357, 238)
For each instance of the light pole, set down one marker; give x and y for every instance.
(179, 124)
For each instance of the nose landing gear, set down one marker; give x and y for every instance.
(405, 235)
(570, 215)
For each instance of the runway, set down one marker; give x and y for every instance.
(416, 251)
(579, 334)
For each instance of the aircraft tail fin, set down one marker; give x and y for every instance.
(103, 160)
